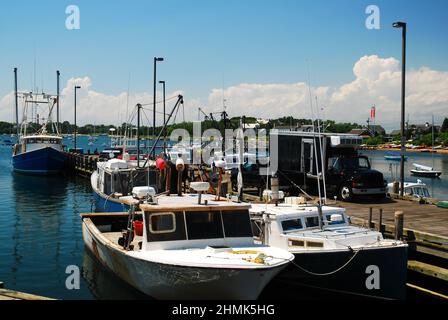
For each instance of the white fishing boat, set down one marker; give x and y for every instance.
(336, 257)
(417, 189)
(190, 247)
(425, 171)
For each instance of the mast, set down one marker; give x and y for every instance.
(58, 74)
(16, 98)
(139, 107)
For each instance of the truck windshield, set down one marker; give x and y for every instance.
(355, 163)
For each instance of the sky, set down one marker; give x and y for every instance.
(265, 58)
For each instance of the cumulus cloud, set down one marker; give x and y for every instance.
(377, 81)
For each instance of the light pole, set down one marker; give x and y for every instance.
(154, 99)
(76, 88)
(402, 25)
(164, 116)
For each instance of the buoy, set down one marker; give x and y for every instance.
(160, 164)
(180, 165)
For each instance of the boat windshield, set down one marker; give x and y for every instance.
(194, 225)
(421, 192)
(42, 140)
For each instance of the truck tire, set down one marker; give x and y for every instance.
(345, 193)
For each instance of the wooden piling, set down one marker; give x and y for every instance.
(399, 223)
(380, 223)
(370, 218)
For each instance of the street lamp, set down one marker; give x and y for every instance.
(76, 88)
(154, 99)
(402, 25)
(164, 115)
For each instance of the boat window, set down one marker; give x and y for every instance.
(312, 221)
(237, 223)
(204, 225)
(335, 222)
(162, 223)
(169, 226)
(292, 225)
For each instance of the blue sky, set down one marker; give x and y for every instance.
(210, 43)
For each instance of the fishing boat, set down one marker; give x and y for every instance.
(330, 254)
(39, 153)
(425, 171)
(417, 189)
(115, 178)
(187, 246)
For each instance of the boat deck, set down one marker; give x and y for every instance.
(114, 236)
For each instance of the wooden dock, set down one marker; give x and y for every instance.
(80, 164)
(6, 294)
(424, 219)
(425, 229)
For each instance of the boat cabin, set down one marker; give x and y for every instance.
(120, 177)
(36, 142)
(414, 189)
(179, 222)
(296, 227)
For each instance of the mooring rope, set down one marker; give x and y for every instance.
(331, 272)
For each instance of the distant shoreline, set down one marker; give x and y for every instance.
(420, 150)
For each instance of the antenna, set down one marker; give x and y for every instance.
(319, 207)
(321, 151)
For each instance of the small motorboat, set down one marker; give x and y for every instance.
(394, 156)
(425, 171)
(415, 189)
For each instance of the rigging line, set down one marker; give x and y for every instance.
(159, 102)
(159, 112)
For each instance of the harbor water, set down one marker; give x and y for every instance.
(40, 234)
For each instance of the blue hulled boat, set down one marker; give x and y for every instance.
(394, 156)
(116, 178)
(40, 153)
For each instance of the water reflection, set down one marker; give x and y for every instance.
(103, 284)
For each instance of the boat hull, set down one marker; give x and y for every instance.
(394, 158)
(355, 277)
(428, 174)
(43, 161)
(105, 204)
(174, 282)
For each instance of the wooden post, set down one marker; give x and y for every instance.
(396, 187)
(370, 217)
(399, 222)
(179, 182)
(380, 226)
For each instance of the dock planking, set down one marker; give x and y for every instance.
(424, 218)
